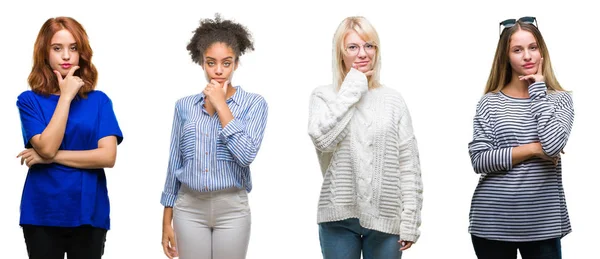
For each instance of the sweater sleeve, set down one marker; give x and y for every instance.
(554, 119)
(486, 157)
(411, 185)
(329, 115)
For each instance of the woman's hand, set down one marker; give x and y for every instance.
(30, 157)
(405, 244)
(70, 85)
(537, 77)
(168, 242)
(538, 151)
(215, 93)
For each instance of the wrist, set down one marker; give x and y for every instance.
(220, 106)
(65, 98)
(535, 150)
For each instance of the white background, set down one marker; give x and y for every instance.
(436, 53)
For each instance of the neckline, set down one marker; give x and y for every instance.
(521, 99)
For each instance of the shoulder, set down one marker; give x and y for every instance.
(390, 95)
(30, 100)
(487, 100)
(563, 98)
(26, 96)
(252, 98)
(98, 96)
(388, 91)
(186, 101)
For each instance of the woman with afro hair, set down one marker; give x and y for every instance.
(216, 135)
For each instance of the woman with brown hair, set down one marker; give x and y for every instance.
(71, 134)
(521, 126)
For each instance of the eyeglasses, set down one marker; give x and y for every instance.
(353, 49)
(511, 22)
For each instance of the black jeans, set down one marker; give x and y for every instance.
(84, 242)
(491, 249)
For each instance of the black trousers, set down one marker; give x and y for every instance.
(491, 249)
(84, 242)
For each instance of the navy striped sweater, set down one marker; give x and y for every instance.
(524, 202)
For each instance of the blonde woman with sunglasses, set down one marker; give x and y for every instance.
(521, 126)
(371, 195)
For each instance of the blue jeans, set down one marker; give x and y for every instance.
(492, 249)
(345, 239)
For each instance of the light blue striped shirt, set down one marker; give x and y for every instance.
(206, 157)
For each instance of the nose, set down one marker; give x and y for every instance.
(219, 70)
(527, 55)
(362, 52)
(66, 55)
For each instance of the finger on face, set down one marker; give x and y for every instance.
(214, 82)
(72, 71)
(540, 68)
(58, 75)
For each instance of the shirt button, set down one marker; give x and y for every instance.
(206, 170)
(206, 188)
(206, 153)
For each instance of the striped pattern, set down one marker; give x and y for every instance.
(525, 202)
(206, 157)
(368, 156)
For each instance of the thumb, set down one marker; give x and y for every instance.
(58, 75)
(226, 84)
(174, 243)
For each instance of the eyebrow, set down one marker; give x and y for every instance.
(533, 43)
(59, 44)
(366, 42)
(230, 57)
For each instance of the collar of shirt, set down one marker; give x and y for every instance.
(235, 98)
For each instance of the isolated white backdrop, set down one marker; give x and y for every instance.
(436, 53)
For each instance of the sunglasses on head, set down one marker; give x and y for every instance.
(511, 22)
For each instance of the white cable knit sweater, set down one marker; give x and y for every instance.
(368, 156)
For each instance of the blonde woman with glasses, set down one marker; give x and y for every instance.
(521, 126)
(372, 191)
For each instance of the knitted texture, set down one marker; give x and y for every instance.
(368, 156)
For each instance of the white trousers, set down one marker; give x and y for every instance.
(212, 225)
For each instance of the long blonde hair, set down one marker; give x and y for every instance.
(501, 72)
(367, 32)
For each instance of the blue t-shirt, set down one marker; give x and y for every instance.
(58, 195)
